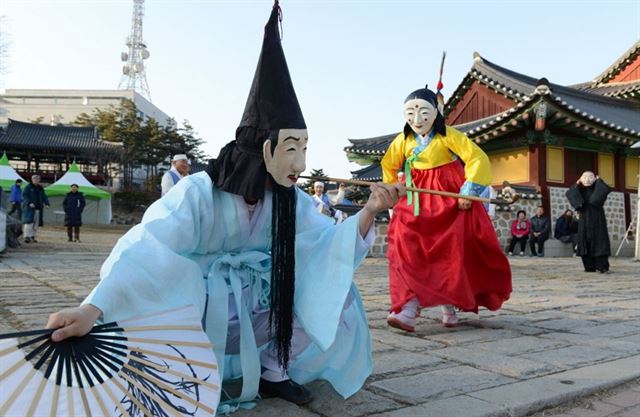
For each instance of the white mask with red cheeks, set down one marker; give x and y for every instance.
(288, 159)
(420, 115)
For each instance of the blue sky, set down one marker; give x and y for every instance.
(352, 62)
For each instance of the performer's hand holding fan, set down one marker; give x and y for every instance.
(156, 365)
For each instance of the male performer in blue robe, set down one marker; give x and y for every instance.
(244, 245)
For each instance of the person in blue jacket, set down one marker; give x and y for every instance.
(15, 199)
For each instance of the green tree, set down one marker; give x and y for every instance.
(319, 173)
(145, 143)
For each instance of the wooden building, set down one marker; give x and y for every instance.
(543, 135)
(49, 151)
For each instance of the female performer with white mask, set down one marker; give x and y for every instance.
(442, 251)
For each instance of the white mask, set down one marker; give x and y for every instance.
(420, 115)
(288, 159)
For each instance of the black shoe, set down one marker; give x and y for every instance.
(27, 240)
(287, 390)
(33, 239)
(602, 271)
(70, 240)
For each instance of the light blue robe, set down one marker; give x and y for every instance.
(195, 246)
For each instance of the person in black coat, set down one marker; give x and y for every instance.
(540, 228)
(588, 197)
(73, 204)
(566, 230)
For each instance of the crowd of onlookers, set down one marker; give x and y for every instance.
(26, 213)
(537, 230)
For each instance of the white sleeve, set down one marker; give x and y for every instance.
(338, 199)
(167, 183)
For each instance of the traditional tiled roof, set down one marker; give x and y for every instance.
(608, 116)
(614, 69)
(372, 172)
(373, 146)
(627, 89)
(40, 137)
(579, 107)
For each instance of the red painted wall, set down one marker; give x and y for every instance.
(478, 102)
(630, 73)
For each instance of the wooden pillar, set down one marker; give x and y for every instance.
(534, 165)
(542, 178)
(28, 161)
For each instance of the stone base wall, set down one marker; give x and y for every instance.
(379, 247)
(614, 210)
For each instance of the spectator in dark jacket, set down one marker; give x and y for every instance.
(566, 230)
(15, 199)
(519, 232)
(540, 229)
(33, 202)
(73, 205)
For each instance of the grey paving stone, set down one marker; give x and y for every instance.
(510, 366)
(520, 345)
(466, 336)
(405, 362)
(459, 406)
(526, 397)
(609, 330)
(438, 384)
(276, 407)
(572, 356)
(404, 341)
(327, 402)
(564, 324)
(519, 324)
(628, 344)
(631, 339)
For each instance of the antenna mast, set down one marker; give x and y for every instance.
(134, 76)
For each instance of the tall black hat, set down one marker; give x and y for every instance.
(272, 105)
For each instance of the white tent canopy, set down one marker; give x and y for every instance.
(98, 208)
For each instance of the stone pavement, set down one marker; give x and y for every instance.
(565, 334)
(622, 401)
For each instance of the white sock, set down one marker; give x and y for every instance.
(409, 310)
(448, 309)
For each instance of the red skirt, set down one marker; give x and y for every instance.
(445, 255)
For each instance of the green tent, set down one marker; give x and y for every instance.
(8, 175)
